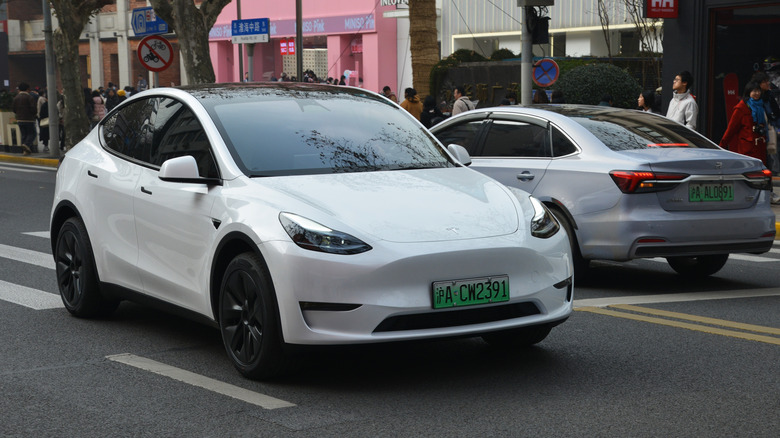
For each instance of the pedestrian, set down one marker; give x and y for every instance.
(112, 99)
(772, 109)
(388, 93)
(683, 108)
(412, 103)
(747, 131)
(511, 96)
(540, 96)
(98, 107)
(26, 111)
(646, 101)
(142, 85)
(606, 100)
(462, 102)
(246, 76)
(43, 121)
(121, 95)
(557, 97)
(431, 114)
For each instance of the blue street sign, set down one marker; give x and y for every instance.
(545, 72)
(146, 22)
(253, 30)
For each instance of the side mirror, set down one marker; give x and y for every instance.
(460, 153)
(184, 170)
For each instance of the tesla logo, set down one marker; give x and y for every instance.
(718, 165)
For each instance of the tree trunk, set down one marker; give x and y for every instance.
(72, 16)
(192, 25)
(424, 45)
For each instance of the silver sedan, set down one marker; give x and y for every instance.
(625, 184)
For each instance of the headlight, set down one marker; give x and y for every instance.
(316, 237)
(543, 223)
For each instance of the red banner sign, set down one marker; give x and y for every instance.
(661, 8)
(291, 46)
(283, 46)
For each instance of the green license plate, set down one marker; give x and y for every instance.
(457, 293)
(710, 192)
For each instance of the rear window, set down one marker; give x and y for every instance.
(632, 130)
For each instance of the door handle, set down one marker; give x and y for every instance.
(93, 175)
(525, 176)
(143, 190)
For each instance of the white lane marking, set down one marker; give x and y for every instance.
(44, 234)
(255, 398)
(27, 256)
(676, 298)
(29, 297)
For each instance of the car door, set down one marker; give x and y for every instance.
(515, 150)
(110, 184)
(173, 219)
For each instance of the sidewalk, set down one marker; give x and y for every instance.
(45, 159)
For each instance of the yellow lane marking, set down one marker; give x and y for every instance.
(701, 319)
(685, 325)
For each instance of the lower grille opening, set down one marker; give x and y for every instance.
(422, 321)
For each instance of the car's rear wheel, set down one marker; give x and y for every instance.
(248, 318)
(580, 264)
(77, 277)
(698, 266)
(519, 337)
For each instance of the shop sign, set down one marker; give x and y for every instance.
(287, 47)
(661, 8)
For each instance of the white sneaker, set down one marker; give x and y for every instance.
(775, 198)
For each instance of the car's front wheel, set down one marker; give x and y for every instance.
(248, 318)
(77, 277)
(519, 337)
(698, 266)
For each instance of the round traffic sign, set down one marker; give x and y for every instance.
(155, 53)
(545, 72)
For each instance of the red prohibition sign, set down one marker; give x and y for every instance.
(545, 72)
(155, 53)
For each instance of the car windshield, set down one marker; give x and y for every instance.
(630, 130)
(274, 132)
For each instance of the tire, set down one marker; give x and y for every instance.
(581, 264)
(519, 337)
(248, 318)
(77, 277)
(698, 266)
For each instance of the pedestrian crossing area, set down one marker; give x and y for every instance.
(49, 299)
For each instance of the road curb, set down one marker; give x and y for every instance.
(37, 161)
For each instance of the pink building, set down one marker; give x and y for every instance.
(338, 37)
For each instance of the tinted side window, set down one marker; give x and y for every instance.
(129, 130)
(516, 139)
(561, 144)
(463, 134)
(177, 132)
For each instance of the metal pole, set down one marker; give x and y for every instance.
(250, 55)
(526, 58)
(240, 51)
(299, 39)
(51, 84)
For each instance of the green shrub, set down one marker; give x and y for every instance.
(588, 83)
(501, 54)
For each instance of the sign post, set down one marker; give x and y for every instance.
(251, 31)
(155, 54)
(146, 22)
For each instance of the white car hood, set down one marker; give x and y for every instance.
(406, 205)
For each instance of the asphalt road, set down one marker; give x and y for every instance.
(646, 353)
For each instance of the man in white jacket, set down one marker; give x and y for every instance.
(683, 108)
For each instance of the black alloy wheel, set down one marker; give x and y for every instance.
(248, 318)
(581, 264)
(76, 273)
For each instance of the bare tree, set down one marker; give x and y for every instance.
(650, 34)
(72, 16)
(423, 44)
(192, 24)
(604, 18)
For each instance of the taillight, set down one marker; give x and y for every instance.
(760, 179)
(631, 181)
